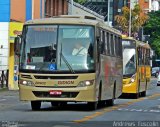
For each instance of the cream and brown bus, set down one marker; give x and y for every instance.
(49, 71)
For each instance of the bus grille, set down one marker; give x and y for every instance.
(26, 76)
(55, 77)
(124, 82)
(56, 86)
(47, 95)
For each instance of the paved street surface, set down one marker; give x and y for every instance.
(144, 111)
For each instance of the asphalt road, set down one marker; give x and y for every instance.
(144, 111)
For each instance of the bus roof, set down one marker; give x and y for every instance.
(66, 19)
(73, 19)
(138, 43)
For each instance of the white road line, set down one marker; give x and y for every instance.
(2, 99)
(139, 110)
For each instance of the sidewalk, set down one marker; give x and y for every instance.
(7, 92)
(3, 89)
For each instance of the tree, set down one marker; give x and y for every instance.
(152, 28)
(137, 19)
(80, 1)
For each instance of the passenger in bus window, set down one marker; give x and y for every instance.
(79, 50)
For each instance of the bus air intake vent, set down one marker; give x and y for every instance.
(55, 77)
(26, 76)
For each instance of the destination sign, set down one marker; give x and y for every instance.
(128, 43)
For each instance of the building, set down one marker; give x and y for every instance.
(13, 13)
(155, 5)
(55, 7)
(145, 5)
(65, 7)
(103, 7)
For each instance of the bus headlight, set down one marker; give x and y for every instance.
(133, 79)
(85, 83)
(27, 83)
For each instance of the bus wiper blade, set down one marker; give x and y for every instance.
(65, 60)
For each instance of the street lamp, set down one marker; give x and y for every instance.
(108, 11)
(71, 7)
(130, 18)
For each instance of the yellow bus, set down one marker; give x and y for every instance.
(136, 67)
(69, 59)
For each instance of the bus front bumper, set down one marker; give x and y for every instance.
(129, 87)
(76, 94)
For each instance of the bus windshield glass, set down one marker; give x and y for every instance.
(129, 57)
(57, 48)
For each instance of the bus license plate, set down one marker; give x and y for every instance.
(55, 92)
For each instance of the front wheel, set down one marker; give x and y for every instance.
(35, 105)
(92, 105)
(110, 102)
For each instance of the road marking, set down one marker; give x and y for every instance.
(2, 99)
(119, 107)
(60, 126)
(139, 110)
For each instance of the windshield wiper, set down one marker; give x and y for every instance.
(65, 60)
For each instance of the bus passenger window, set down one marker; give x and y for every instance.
(102, 43)
(108, 44)
(112, 45)
(120, 46)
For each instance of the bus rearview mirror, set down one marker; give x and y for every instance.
(17, 41)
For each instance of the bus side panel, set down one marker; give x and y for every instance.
(148, 75)
(142, 78)
(111, 73)
(106, 77)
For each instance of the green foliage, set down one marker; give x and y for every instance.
(80, 1)
(152, 28)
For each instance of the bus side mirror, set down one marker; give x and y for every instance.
(98, 43)
(98, 47)
(17, 42)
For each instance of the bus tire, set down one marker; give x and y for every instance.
(137, 94)
(143, 94)
(35, 105)
(110, 102)
(92, 105)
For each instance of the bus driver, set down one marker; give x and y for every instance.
(79, 50)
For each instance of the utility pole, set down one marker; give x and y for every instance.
(71, 7)
(130, 19)
(32, 9)
(108, 11)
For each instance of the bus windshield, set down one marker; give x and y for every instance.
(57, 48)
(129, 58)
